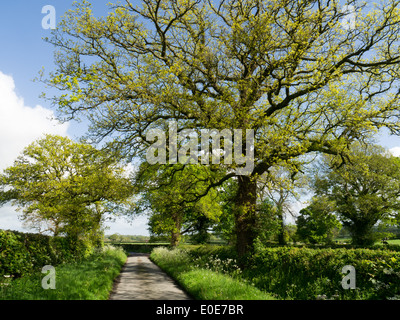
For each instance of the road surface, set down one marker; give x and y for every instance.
(141, 279)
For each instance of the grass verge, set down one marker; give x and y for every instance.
(201, 283)
(88, 279)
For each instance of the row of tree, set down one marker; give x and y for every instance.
(360, 193)
(69, 188)
(288, 70)
(116, 237)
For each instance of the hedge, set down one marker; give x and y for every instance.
(140, 247)
(22, 253)
(304, 273)
(201, 283)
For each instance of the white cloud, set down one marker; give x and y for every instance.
(20, 125)
(395, 151)
(9, 219)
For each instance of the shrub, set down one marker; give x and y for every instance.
(308, 273)
(89, 278)
(304, 273)
(22, 253)
(14, 256)
(202, 283)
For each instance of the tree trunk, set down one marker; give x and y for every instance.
(245, 215)
(281, 234)
(361, 232)
(175, 238)
(176, 232)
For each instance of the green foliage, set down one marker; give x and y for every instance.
(225, 228)
(365, 189)
(316, 223)
(200, 228)
(67, 188)
(268, 222)
(300, 272)
(281, 186)
(116, 237)
(204, 283)
(304, 273)
(90, 278)
(169, 192)
(286, 69)
(23, 253)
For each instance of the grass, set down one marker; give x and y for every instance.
(394, 241)
(210, 285)
(89, 279)
(295, 273)
(204, 283)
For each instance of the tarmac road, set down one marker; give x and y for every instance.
(141, 279)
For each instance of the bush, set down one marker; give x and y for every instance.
(140, 247)
(22, 253)
(205, 283)
(90, 278)
(307, 273)
(304, 273)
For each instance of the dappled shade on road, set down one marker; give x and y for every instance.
(141, 279)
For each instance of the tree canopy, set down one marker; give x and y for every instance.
(317, 222)
(163, 191)
(288, 70)
(364, 191)
(66, 187)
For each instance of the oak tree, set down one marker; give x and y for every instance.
(287, 69)
(364, 191)
(317, 222)
(66, 187)
(162, 190)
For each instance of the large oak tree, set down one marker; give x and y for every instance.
(290, 70)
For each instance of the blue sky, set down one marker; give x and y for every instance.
(24, 116)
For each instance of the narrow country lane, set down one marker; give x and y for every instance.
(141, 279)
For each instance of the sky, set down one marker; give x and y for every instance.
(24, 116)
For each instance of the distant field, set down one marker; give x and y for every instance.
(348, 240)
(138, 243)
(144, 247)
(394, 241)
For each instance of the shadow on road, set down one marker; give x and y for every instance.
(141, 279)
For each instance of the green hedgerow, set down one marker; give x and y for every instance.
(90, 278)
(205, 280)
